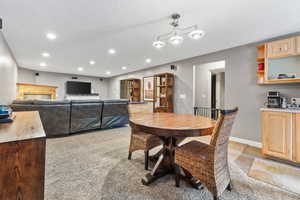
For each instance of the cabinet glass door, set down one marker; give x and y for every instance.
(284, 68)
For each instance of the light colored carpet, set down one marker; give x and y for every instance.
(94, 166)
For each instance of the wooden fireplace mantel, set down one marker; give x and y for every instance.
(34, 89)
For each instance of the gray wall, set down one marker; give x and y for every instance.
(59, 80)
(240, 87)
(8, 73)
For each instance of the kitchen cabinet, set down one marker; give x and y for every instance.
(298, 45)
(276, 131)
(281, 134)
(278, 61)
(281, 48)
(296, 138)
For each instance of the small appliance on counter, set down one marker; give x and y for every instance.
(5, 114)
(295, 103)
(274, 99)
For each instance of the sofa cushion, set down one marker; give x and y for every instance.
(27, 102)
(85, 115)
(87, 101)
(115, 113)
(48, 102)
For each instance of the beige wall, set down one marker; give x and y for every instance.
(8, 73)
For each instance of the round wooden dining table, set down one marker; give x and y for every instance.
(171, 128)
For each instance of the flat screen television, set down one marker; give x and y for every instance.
(76, 87)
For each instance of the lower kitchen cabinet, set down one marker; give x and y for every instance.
(296, 138)
(281, 135)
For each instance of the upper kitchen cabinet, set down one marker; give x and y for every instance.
(298, 45)
(279, 61)
(281, 48)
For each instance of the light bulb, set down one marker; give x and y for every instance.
(176, 40)
(196, 34)
(159, 44)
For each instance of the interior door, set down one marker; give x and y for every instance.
(277, 134)
(213, 94)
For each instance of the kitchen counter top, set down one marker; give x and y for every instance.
(26, 126)
(288, 110)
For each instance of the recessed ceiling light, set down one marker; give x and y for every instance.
(124, 67)
(80, 69)
(45, 54)
(4, 60)
(148, 60)
(43, 64)
(51, 36)
(108, 72)
(92, 62)
(111, 51)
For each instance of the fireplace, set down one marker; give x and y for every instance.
(37, 97)
(36, 92)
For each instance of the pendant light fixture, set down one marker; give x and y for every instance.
(176, 36)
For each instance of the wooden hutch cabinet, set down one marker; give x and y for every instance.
(163, 92)
(131, 90)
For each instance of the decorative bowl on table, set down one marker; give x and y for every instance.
(5, 112)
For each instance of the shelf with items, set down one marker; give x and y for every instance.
(261, 51)
(131, 90)
(163, 92)
(278, 61)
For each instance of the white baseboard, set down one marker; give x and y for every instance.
(248, 142)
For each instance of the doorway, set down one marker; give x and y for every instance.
(209, 86)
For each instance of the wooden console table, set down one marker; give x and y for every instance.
(22, 158)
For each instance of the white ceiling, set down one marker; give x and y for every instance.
(86, 29)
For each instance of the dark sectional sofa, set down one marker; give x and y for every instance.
(61, 118)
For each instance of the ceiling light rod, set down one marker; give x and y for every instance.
(175, 36)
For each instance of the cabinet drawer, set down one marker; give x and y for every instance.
(281, 48)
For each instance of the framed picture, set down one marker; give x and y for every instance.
(148, 84)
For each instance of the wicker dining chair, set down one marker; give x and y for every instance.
(140, 140)
(208, 163)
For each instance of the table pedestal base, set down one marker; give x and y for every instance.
(165, 165)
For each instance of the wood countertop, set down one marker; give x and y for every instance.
(26, 126)
(171, 124)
